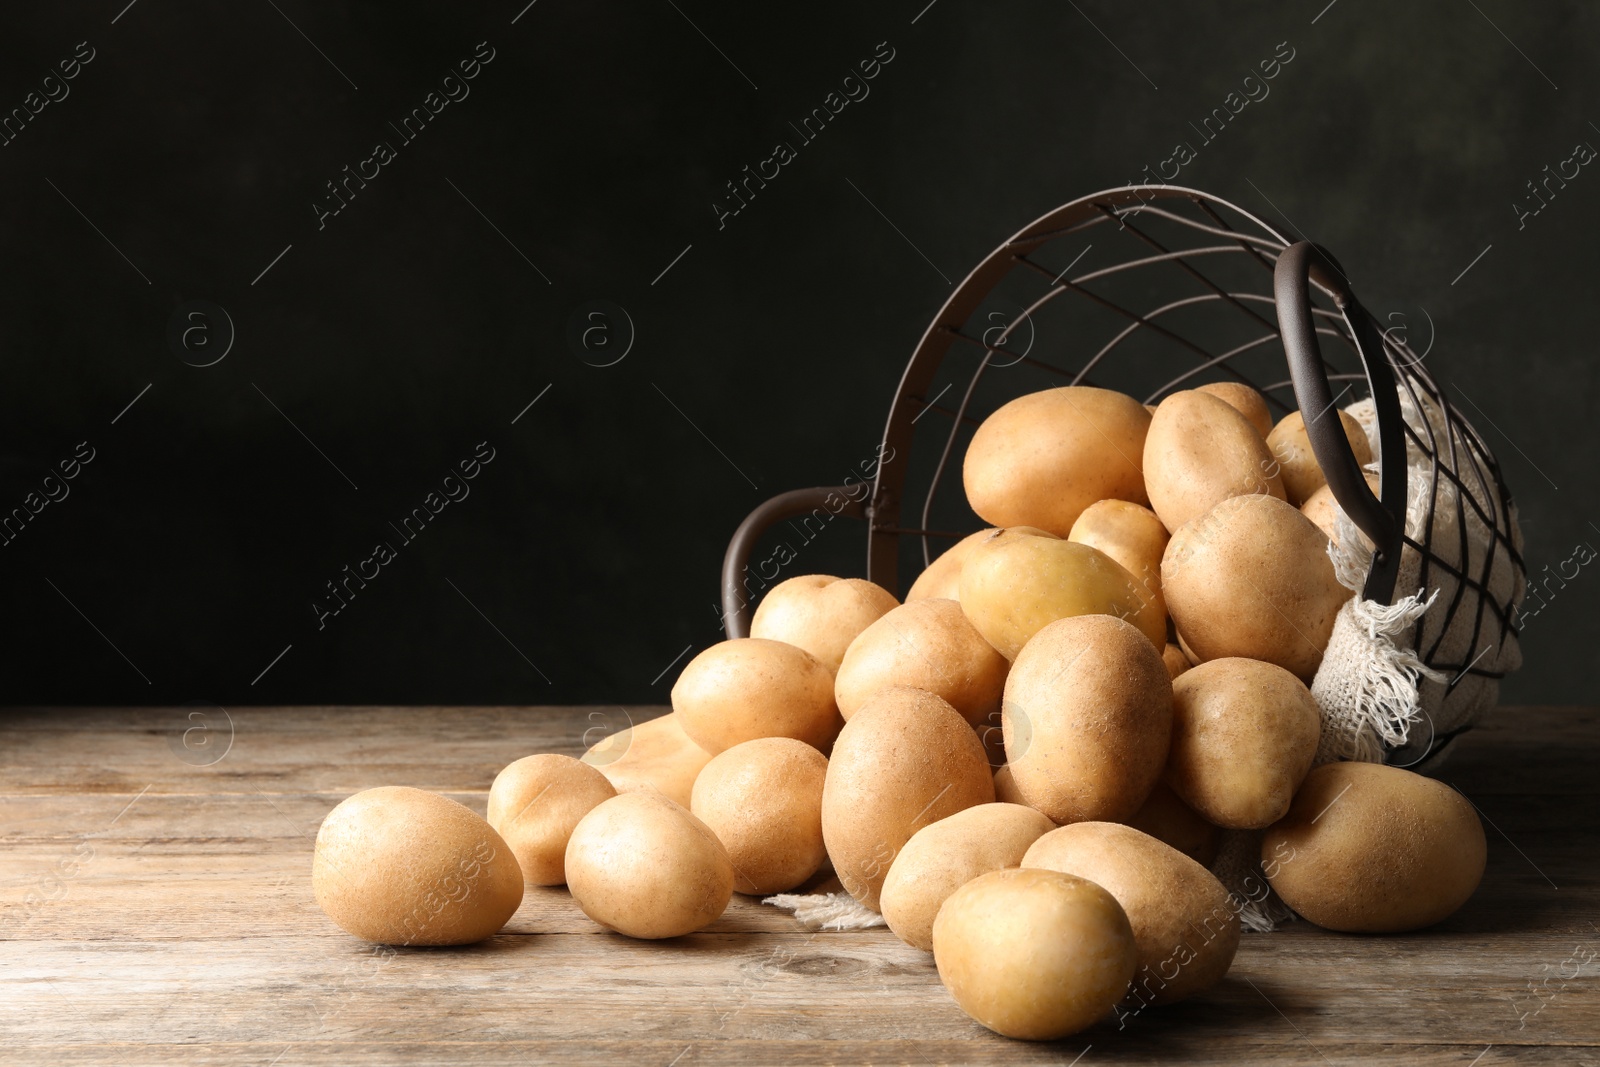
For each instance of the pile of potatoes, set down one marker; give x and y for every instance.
(1026, 767)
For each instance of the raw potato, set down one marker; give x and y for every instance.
(943, 857)
(1044, 457)
(402, 866)
(747, 688)
(656, 755)
(820, 613)
(928, 644)
(1134, 537)
(1252, 578)
(1088, 714)
(943, 576)
(1169, 820)
(1176, 661)
(1244, 734)
(763, 800)
(1034, 954)
(1022, 579)
(1297, 464)
(535, 803)
(904, 760)
(1245, 400)
(1372, 849)
(1184, 922)
(644, 866)
(1320, 507)
(1201, 451)
(1005, 789)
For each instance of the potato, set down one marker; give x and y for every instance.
(643, 865)
(1252, 578)
(942, 578)
(1033, 954)
(534, 804)
(402, 866)
(1320, 507)
(943, 857)
(1297, 464)
(1243, 399)
(747, 688)
(1244, 734)
(1021, 579)
(820, 613)
(1372, 849)
(1134, 537)
(1088, 713)
(1044, 457)
(1172, 655)
(1184, 922)
(655, 755)
(1201, 451)
(904, 760)
(763, 800)
(1005, 790)
(928, 644)
(1169, 820)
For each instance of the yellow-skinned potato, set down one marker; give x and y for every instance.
(943, 576)
(643, 865)
(1044, 457)
(1034, 954)
(1200, 451)
(1245, 400)
(535, 803)
(1244, 734)
(1320, 507)
(1022, 579)
(747, 688)
(1372, 849)
(928, 644)
(654, 756)
(943, 857)
(1252, 578)
(1087, 717)
(1169, 820)
(1184, 922)
(1131, 535)
(904, 760)
(763, 800)
(1172, 655)
(402, 866)
(1297, 464)
(1005, 789)
(820, 613)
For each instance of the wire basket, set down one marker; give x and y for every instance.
(1163, 284)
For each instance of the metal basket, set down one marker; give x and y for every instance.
(1180, 287)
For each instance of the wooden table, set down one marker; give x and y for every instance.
(156, 908)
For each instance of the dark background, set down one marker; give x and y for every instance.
(416, 324)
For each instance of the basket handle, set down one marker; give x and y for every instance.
(1382, 520)
(735, 608)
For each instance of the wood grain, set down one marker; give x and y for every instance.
(157, 911)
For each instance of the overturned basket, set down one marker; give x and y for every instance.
(1180, 287)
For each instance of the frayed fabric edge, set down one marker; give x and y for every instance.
(827, 911)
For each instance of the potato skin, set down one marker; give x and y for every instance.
(402, 866)
(1134, 537)
(904, 760)
(820, 613)
(1169, 820)
(643, 865)
(1297, 463)
(944, 856)
(1177, 663)
(1033, 954)
(1320, 507)
(942, 578)
(534, 804)
(1244, 734)
(1087, 718)
(1200, 451)
(1252, 578)
(1042, 458)
(654, 755)
(1184, 922)
(748, 687)
(763, 800)
(1249, 403)
(928, 644)
(1367, 848)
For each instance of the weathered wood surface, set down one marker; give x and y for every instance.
(156, 909)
